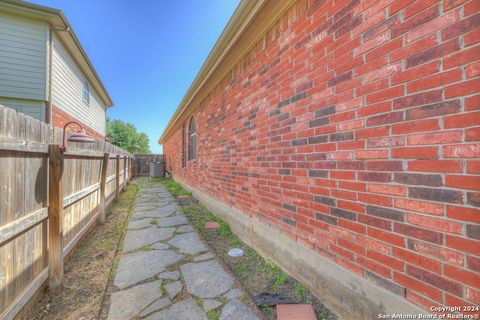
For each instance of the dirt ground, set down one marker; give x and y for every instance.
(89, 270)
(256, 274)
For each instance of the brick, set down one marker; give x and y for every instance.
(416, 73)
(461, 27)
(435, 280)
(433, 110)
(325, 200)
(375, 176)
(387, 94)
(385, 213)
(376, 222)
(462, 151)
(418, 233)
(418, 260)
(463, 214)
(473, 263)
(473, 231)
(416, 126)
(387, 189)
(470, 278)
(419, 206)
(434, 81)
(473, 295)
(341, 136)
(384, 165)
(462, 88)
(326, 111)
(463, 182)
(289, 221)
(472, 134)
(473, 166)
(415, 153)
(340, 213)
(439, 195)
(418, 286)
(415, 21)
(447, 166)
(462, 244)
(371, 154)
(417, 99)
(391, 117)
(326, 218)
(289, 207)
(432, 53)
(432, 180)
(462, 120)
(461, 58)
(318, 139)
(435, 138)
(445, 20)
(435, 251)
(318, 173)
(386, 237)
(435, 223)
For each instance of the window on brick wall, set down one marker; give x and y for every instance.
(192, 154)
(184, 145)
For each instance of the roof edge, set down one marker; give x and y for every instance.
(248, 24)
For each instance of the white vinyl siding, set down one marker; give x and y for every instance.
(67, 90)
(34, 109)
(23, 58)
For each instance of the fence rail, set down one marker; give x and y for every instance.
(48, 202)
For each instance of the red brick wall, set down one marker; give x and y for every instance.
(354, 129)
(60, 118)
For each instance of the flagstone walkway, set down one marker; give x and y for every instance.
(166, 271)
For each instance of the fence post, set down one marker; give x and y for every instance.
(124, 173)
(103, 183)
(117, 177)
(55, 217)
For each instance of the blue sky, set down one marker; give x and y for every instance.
(146, 52)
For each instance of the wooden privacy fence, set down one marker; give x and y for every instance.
(48, 202)
(142, 163)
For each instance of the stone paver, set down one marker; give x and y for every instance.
(128, 303)
(138, 266)
(173, 289)
(210, 304)
(183, 310)
(188, 243)
(154, 278)
(237, 310)
(206, 279)
(136, 239)
(157, 305)
(139, 224)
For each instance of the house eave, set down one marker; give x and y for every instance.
(59, 24)
(248, 24)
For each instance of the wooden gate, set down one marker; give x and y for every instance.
(142, 163)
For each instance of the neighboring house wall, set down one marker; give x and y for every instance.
(67, 91)
(354, 130)
(23, 64)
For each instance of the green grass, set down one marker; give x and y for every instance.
(300, 289)
(173, 187)
(213, 314)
